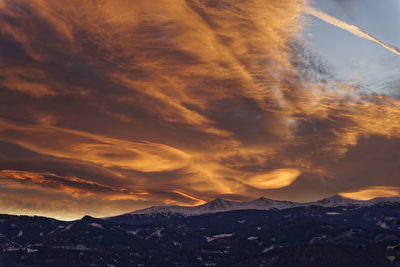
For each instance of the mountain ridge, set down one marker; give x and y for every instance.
(262, 203)
(314, 235)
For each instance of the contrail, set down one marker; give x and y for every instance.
(350, 28)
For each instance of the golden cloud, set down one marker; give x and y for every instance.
(372, 192)
(274, 179)
(182, 100)
(105, 151)
(70, 185)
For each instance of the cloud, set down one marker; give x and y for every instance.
(41, 201)
(108, 152)
(275, 179)
(350, 28)
(175, 102)
(26, 80)
(373, 192)
(72, 185)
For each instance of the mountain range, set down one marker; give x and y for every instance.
(222, 205)
(331, 232)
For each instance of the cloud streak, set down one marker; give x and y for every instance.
(348, 27)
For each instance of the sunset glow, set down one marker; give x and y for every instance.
(111, 106)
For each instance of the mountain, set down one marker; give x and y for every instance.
(336, 201)
(216, 205)
(330, 232)
(221, 205)
(310, 235)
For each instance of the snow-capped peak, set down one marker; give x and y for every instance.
(336, 201)
(221, 205)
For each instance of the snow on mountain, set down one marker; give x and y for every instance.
(336, 201)
(219, 204)
(216, 205)
(266, 204)
(222, 205)
(381, 200)
(212, 238)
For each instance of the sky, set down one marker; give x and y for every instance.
(111, 106)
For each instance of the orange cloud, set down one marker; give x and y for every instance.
(373, 192)
(174, 101)
(274, 179)
(70, 185)
(105, 151)
(34, 199)
(27, 80)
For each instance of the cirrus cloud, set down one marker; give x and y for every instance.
(176, 102)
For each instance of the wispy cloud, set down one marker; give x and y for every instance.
(348, 27)
(177, 102)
